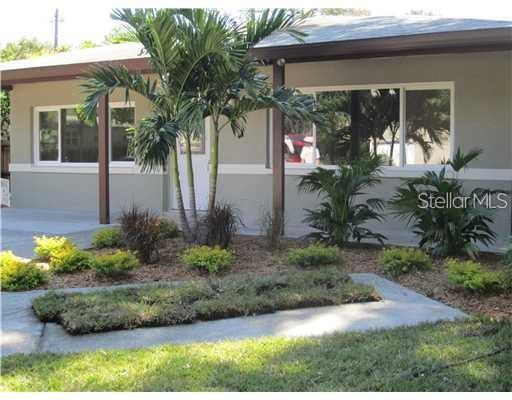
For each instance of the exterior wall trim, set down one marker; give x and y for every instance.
(81, 168)
(486, 174)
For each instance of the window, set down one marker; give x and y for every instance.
(427, 126)
(49, 136)
(79, 138)
(121, 119)
(405, 124)
(62, 136)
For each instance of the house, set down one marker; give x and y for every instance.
(440, 83)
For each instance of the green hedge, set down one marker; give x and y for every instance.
(314, 255)
(404, 260)
(210, 259)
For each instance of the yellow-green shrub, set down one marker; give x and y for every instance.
(47, 246)
(404, 260)
(107, 237)
(211, 259)
(118, 264)
(16, 274)
(472, 277)
(313, 255)
(70, 260)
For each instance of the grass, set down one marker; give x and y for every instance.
(100, 311)
(451, 356)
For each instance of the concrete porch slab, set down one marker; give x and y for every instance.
(20, 225)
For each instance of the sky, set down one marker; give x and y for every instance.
(90, 20)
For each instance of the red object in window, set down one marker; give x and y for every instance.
(298, 144)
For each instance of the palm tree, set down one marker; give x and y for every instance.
(203, 69)
(176, 42)
(229, 91)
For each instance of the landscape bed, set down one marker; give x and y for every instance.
(252, 256)
(472, 355)
(163, 305)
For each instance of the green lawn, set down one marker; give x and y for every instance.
(443, 357)
(81, 313)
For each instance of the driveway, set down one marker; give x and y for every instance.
(20, 225)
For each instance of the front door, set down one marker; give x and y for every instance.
(200, 161)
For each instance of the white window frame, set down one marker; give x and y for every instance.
(59, 162)
(296, 168)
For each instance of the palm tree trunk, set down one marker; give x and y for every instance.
(179, 196)
(191, 186)
(214, 164)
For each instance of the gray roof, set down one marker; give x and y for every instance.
(123, 51)
(338, 28)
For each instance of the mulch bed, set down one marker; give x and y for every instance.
(252, 256)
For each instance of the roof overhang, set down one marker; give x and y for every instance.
(65, 72)
(477, 40)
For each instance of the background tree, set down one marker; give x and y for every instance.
(119, 35)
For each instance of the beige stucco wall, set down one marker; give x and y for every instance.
(70, 190)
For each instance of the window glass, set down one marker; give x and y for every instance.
(299, 142)
(79, 139)
(49, 136)
(121, 120)
(355, 123)
(427, 126)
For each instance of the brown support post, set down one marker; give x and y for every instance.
(103, 160)
(277, 151)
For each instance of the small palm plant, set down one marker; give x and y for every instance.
(340, 217)
(450, 230)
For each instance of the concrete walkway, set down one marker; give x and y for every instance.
(20, 225)
(22, 331)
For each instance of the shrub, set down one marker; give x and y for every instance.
(222, 223)
(118, 264)
(168, 228)
(404, 260)
(16, 274)
(141, 232)
(445, 230)
(271, 229)
(339, 218)
(211, 259)
(47, 246)
(471, 276)
(508, 268)
(107, 238)
(70, 260)
(313, 255)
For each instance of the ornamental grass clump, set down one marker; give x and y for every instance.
(210, 259)
(141, 231)
(17, 274)
(314, 255)
(48, 246)
(404, 260)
